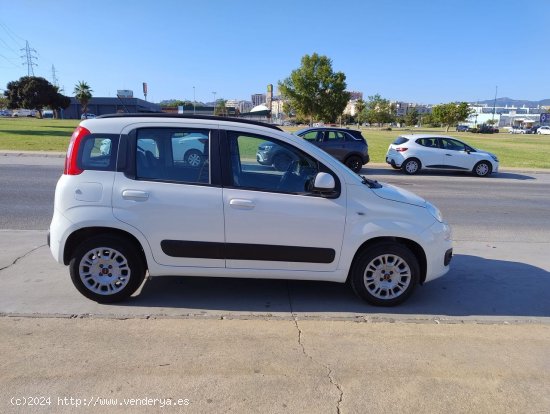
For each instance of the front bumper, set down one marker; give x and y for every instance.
(439, 250)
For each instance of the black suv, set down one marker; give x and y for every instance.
(346, 145)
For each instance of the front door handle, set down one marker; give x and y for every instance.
(449, 155)
(135, 195)
(242, 204)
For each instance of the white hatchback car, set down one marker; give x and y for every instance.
(412, 153)
(131, 205)
(544, 130)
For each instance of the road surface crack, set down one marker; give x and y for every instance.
(330, 374)
(21, 257)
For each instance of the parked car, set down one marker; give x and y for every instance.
(125, 210)
(23, 112)
(412, 153)
(462, 128)
(487, 129)
(87, 115)
(534, 129)
(517, 130)
(544, 130)
(5, 112)
(346, 145)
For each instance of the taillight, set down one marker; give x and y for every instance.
(401, 149)
(71, 160)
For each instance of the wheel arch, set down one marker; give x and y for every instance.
(78, 236)
(413, 246)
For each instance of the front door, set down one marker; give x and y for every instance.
(272, 218)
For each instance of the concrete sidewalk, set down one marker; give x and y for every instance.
(260, 366)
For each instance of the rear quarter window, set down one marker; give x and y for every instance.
(98, 152)
(400, 140)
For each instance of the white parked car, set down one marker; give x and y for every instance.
(544, 130)
(128, 204)
(412, 153)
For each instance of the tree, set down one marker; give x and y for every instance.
(314, 90)
(359, 107)
(4, 102)
(411, 119)
(32, 92)
(378, 111)
(83, 94)
(220, 108)
(451, 113)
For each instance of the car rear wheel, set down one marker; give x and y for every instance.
(354, 163)
(482, 169)
(411, 166)
(385, 275)
(193, 158)
(107, 269)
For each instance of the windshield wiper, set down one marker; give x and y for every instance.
(370, 183)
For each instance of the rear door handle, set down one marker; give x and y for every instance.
(449, 155)
(135, 195)
(242, 204)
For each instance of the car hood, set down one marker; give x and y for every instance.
(393, 193)
(489, 154)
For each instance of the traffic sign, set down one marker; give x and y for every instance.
(544, 118)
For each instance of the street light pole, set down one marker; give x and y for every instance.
(194, 101)
(214, 93)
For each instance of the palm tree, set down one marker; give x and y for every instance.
(83, 93)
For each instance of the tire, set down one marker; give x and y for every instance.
(193, 158)
(395, 167)
(354, 163)
(282, 161)
(113, 276)
(482, 169)
(411, 166)
(373, 275)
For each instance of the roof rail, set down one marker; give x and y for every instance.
(186, 116)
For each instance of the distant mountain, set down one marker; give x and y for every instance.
(516, 102)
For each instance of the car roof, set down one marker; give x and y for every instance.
(416, 136)
(181, 116)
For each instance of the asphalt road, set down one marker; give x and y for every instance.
(500, 270)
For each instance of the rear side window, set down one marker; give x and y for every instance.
(400, 140)
(174, 155)
(98, 152)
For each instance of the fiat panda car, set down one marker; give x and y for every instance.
(128, 205)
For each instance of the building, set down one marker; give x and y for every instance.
(505, 115)
(258, 99)
(354, 95)
(403, 108)
(104, 106)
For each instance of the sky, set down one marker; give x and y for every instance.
(423, 51)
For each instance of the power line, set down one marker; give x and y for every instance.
(29, 59)
(54, 77)
(8, 30)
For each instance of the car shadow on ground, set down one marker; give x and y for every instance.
(474, 287)
(390, 172)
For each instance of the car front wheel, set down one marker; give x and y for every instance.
(107, 269)
(385, 275)
(482, 169)
(411, 166)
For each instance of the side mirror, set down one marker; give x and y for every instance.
(324, 183)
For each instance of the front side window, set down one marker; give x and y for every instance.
(265, 164)
(175, 155)
(452, 144)
(312, 136)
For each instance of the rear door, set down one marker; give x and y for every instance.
(334, 142)
(174, 200)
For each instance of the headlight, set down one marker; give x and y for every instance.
(434, 211)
